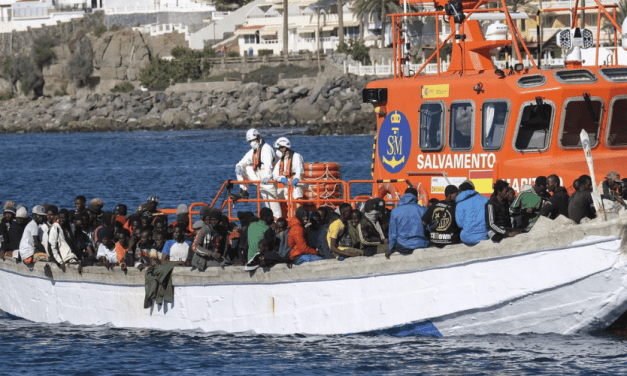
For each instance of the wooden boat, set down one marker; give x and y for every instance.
(559, 278)
(472, 122)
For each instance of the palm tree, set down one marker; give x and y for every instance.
(285, 36)
(368, 8)
(340, 21)
(621, 13)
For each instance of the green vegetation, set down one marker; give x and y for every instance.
(7, 95)
(265, 52)
(43, 53)
(60, 92)
(99, 30)
(180, 52)
(233, 54)
(124, 87)
(21, 68)
(357, 50)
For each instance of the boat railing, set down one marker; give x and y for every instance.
(320, 194)
(472, 7)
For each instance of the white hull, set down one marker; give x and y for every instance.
(570, 288)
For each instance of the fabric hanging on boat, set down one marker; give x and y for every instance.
(159, 284)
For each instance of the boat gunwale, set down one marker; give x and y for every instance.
(358, 268)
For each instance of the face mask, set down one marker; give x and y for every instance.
(279, 154)
(254, 145)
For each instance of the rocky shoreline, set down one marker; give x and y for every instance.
(325, 105)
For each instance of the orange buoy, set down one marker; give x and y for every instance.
(322, 166)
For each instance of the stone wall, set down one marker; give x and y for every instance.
(22, 41)
(185, 18)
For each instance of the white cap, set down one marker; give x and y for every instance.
(38, 209)
(21, 213)
(251, 134)
(182, 209)
(283, 141)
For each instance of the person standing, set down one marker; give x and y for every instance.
(289, 168)
(257, 165)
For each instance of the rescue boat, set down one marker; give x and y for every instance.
(478, 122)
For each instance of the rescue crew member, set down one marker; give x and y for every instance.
(289, 167)
(257, 165)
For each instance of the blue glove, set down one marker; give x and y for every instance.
(238, 170)
(295, 181)
(283, 181)
(265, 180)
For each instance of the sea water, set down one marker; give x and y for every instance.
(190, 166)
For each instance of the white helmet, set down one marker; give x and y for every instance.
(283, 141)
(252, 134)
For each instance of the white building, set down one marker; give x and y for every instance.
(263, 29)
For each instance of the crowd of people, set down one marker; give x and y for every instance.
(90, 236)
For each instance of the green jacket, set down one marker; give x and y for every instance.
(256, 231)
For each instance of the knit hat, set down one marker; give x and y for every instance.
(53, 209)
(374, 204)
(263, 213)
(153, 198)
(182, 209)
(21, 213)
(198, 224)
(9, 209)
(450, 189)
(215, 214)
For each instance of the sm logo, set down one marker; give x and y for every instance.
(394, 143)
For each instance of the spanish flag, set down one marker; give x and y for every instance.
(482, 181)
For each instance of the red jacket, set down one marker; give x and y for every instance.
(296, 239)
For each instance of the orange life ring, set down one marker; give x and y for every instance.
(315, 174)
(323, 195)
(322, 166)
(387, 189)
(423, 195)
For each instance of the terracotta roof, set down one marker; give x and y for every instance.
(255, 27)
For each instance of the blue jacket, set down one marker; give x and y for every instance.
(406, 230)
(470, 216)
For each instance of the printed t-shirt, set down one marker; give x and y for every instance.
(177, 251)
(440, 218)
(109, 254)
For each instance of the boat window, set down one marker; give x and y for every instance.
(533, 80)
(431, 126)
(575, 76)
(461, 126)
(614, 74)
(534, 126)
(494, 119)
(617, 126)
(579, 114)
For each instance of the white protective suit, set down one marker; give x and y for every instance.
(298, 167)
(268, 191)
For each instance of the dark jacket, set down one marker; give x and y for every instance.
(581, 206)
(440, 220)
(497, 219)
(557, 205)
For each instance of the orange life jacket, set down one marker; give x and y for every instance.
(257, 157)
(286, 166)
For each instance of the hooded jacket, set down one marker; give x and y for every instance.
(296, 237)
(470, 217)
(406, 231)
